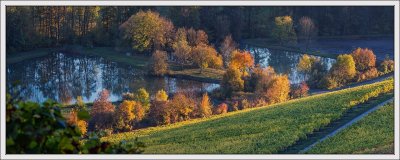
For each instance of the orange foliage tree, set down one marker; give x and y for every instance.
(204, 107)
(242, 60)
(364, 58)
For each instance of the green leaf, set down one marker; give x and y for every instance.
(83, 115)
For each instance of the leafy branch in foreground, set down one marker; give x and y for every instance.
(41, 128)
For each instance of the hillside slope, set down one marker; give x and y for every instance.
(258, 130)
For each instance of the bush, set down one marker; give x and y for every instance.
(365, 59)
(160, 113)
(244, 104)
(221, 109)
(386, 66)
(343, 71)
(46, 132)
(368, 74)
(234, 106)
(102, 111)
(158, 63)
(300, 90)
(73, 120)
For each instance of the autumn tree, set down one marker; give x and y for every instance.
(283, 31)
(226, 49)
(312, 68)
(124, 115)
(196, 37)
(307, 29)
(159, 64)
(160, 113)
(102, 111)
(161, 95)
(364, 59)
(181, 48)
(181, 106)
(279, 89)
(242, 60)
(261, 79)
(147, 30)
(203, 109)
(232, 81)
(341, 72)
(205, 56)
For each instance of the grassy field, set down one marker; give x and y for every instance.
(258, 130)
(21, 56)
(374, 134)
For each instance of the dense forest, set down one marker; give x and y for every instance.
(42, 26)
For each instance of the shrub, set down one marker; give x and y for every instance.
(204, 107)
(368, 74)
(234, 106)
(160, 113)
(73, 120)
(244, 104)
(159, 64)
(386, 66)
(364, 58)
(161, 95)
(232, 82)
(220, 109)
(300, 90)
(329, 82)
(102, 111)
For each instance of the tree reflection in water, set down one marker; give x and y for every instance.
(63, 77)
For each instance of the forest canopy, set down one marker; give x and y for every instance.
(53, 26)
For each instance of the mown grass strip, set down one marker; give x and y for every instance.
(258, 130)
(374, 134)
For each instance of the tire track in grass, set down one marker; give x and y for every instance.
(349, 117)
(348, 124)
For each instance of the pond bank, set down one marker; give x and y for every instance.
(138, 61)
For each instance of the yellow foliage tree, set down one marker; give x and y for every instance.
(161, 95)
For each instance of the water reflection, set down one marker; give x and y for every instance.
(282, 61)
(63, 77)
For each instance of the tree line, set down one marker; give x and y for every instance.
(49, 26)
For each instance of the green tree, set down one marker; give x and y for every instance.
(143, 97)
(232, 81)
(147, 30)
(283, 31)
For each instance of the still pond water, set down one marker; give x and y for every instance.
(63, 77)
